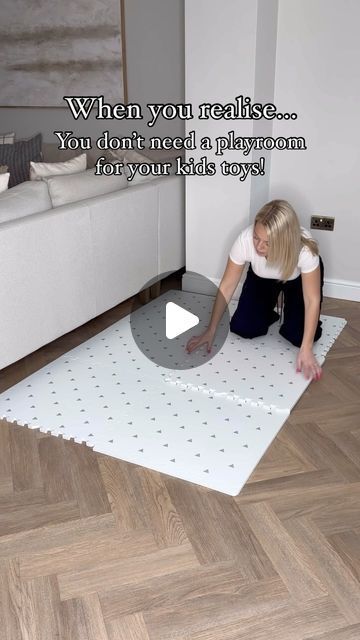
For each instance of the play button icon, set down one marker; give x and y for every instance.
(178, 320)
(163, 326)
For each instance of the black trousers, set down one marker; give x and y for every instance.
(255, 310)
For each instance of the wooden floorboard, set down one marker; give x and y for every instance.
(93, 548)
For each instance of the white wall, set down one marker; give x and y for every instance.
(304, 55)
(317, 76)
(155, 68)
(219, 65)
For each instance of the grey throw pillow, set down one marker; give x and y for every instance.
(17, 157)
(7, 138)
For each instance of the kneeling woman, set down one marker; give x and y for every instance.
(283, 259)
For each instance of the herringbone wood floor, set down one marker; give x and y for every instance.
(92, 548)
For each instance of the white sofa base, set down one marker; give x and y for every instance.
(63, 267)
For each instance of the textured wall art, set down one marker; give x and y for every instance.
(51, 49)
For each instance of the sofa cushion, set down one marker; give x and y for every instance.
(165, 155)
(4, 181)
(23, 200)
(127, 155)
(18, 155)
(52, 153)
(78, 186)
(131, 156)
(136, 157)
(39, 170)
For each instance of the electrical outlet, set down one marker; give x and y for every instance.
(322, 222)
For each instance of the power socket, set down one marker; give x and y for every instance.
(322, 222)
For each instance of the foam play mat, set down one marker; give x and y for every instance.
(210, 424)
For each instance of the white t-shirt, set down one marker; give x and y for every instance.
(243, 250)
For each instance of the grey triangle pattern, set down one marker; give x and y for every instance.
(209, 425)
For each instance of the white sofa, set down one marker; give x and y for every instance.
(66, 265)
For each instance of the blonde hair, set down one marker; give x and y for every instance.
(284, 236)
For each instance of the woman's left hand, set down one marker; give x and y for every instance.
(307, 363)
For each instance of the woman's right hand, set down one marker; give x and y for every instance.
(197, 341)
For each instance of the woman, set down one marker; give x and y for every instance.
(283, 259)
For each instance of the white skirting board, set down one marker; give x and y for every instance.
(209, 425)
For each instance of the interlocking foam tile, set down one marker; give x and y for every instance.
(209, 425)
(260, 371)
